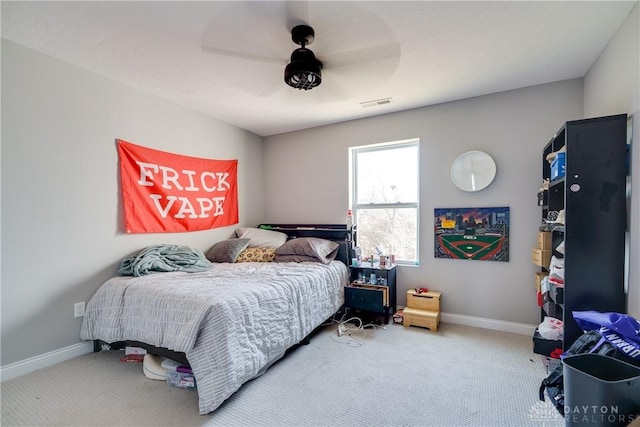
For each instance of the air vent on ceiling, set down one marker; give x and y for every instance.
(376, 102)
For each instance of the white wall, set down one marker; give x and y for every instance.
(306, 177)
(61, 215)
(612, 86)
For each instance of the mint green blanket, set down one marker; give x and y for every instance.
(164, 258)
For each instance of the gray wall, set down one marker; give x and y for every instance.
(306, 173)
(612, 86)
(61, 231)
(513, 127)
(61, 215)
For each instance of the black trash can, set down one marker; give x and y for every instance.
(600, 391)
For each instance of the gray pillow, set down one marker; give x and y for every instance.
(307, 249)
(227, 250)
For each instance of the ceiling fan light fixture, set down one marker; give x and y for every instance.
(304, 70)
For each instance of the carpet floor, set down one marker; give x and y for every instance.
(386, 376)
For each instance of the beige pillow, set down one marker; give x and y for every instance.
(308, 249)
(257, 254)
(262, 238)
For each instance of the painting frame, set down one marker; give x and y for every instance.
(480, 234)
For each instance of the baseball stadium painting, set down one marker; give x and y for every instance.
(472, 233)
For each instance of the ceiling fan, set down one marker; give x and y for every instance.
(345, 70)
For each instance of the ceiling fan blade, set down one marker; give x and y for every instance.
(263, 42)
(335, 91)
(274, 89)
(360, 56)
(241, 55)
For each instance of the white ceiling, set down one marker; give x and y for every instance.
(227, 59)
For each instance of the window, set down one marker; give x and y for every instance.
(385, 198)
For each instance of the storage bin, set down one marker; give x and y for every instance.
(181, 380)
(558, 166)
(424, 301)
(424, 318)
(541, 257)
(544, 240)
(600, 390)
(546, 347)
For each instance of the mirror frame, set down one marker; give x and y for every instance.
(473, 171)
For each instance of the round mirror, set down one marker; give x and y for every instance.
(473, 171)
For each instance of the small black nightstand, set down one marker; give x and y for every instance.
(375, 298)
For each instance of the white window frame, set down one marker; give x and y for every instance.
(353, 196)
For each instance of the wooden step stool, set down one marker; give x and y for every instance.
(423, 309)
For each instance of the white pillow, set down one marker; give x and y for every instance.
(262, 238)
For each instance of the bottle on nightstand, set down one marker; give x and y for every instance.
(349, 220)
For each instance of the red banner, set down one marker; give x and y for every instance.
(166, 192)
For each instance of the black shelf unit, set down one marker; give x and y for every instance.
(592, 194)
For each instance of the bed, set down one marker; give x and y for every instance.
(230, 322)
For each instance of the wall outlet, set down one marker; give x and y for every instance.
(78, 309)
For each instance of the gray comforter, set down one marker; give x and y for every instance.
(232, 321)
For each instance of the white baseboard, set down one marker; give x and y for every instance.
(23, 367)
(481, 322)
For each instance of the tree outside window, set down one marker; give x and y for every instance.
(385, 198)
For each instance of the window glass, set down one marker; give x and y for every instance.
(384, 185)
(387, 175)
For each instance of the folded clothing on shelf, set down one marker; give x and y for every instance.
(556, 271)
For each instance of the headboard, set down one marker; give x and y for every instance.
(338, 233)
